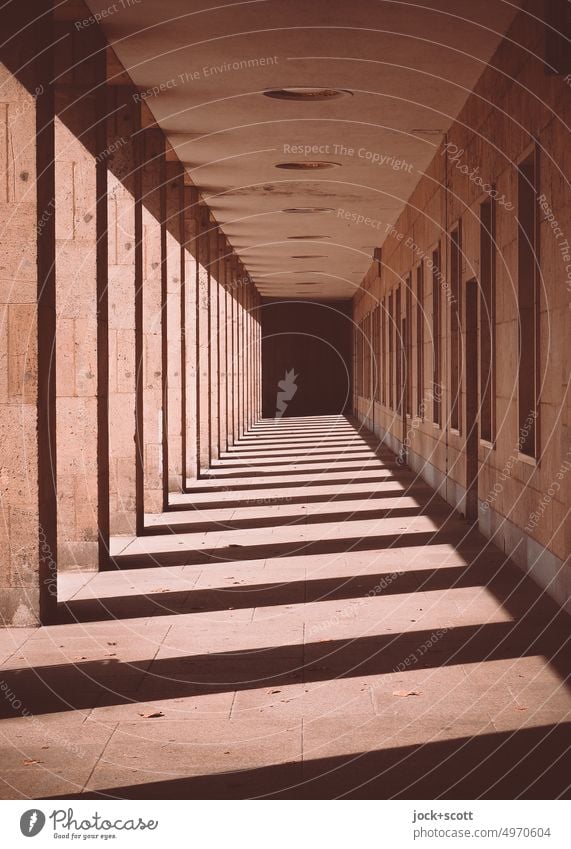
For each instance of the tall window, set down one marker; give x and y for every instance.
(398, 352)
(408, 346)
(377, 344)
(455, 326)
(391, 350)
(528, 306)
(384, 351)
(360, 359)
(487, 320)
(436, 324)
(371, 355)
(420, 341)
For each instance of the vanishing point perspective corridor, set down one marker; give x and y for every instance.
(308, 621)
(285, 408)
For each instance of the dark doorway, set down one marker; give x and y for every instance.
(306, 350)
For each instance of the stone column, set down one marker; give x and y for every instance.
(222, 352)
(153, 273)
(241, 353)
(81, 285)
(28, 537)
(174, 322)
(236, 357)
(213, 338)
(228, 343)
(190, 336)
(124, 303)
(250, 356)
(203, 326)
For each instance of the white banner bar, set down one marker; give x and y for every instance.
(279, 824)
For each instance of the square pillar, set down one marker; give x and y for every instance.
(203, 327)
(152, 432)
(124, 309)
(213, 347)
(173, 314)
(28, 534)
(222, 352)
(190, 335)
(235, 350)
(81, 287)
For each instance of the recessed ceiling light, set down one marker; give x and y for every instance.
(306, 93)
(300, 210)
(309, 256)
(308, 165)
(309, 237)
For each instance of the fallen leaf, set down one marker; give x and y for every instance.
(404, 693)
(31, 762)
(521, 708)
(154, 715)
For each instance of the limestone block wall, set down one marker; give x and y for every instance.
(517, 109)
(128, 340)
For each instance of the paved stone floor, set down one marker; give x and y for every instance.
(310, 621)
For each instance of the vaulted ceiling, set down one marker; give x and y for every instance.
(352, 96)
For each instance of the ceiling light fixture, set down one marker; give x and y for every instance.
(309, 94)
(308, 165)
(301, 210)
(307, 238)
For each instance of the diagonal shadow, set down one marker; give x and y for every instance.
(65, 687)
(324, 481)
(268, 594)
(530, 763)
(309, 498)
(245, 523)
(230, 553)
(229, 465)
(219, 473)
